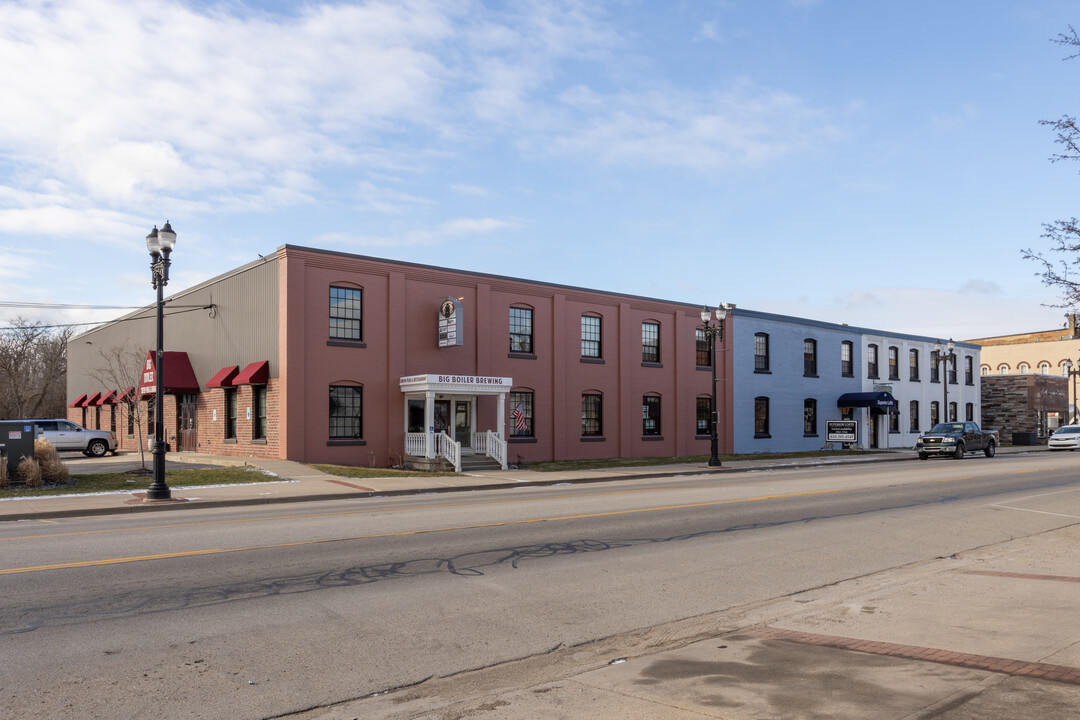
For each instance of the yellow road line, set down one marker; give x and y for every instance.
(409, 508)
(403, 533)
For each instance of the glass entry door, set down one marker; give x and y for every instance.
(462, 426)
(442, 416)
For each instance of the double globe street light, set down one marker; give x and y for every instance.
(160, 244)
(712, 332)
(941, 356)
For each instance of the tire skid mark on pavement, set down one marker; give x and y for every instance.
(1007, 666)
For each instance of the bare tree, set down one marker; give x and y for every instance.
(122, 368)
(33, 370)
(1061, 269)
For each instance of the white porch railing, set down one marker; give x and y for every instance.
(448, 448)
(416, 444)
(489, 443)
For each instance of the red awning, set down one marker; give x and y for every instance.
(92, 400)
(126, 395)
(108, 398)
(177, 376)
(256, 373)
(224, 377)
(79, 402)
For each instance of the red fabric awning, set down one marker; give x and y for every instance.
(79, 401)
(224, 377)
(92, 400)
(177, 376)
(108, 398)
(256, 373)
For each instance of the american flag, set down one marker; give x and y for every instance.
(519, 418)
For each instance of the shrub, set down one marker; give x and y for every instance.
(44, 451)
(29, 472)
(55, 472)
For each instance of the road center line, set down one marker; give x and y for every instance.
(504, 523)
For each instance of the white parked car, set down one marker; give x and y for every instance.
(66, 435)
(1066, 437)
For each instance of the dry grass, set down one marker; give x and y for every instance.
(4, 480)
(29, 472)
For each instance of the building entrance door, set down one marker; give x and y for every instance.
(187, 423)
(442, 416)
(462, 426)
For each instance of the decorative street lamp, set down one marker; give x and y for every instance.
(1075, 401)
(943, 354)
(160, 244)
(712, 332)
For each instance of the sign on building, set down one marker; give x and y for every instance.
(451, 323)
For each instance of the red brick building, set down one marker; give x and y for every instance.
(322, 356)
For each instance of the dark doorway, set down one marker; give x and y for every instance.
(187, 423)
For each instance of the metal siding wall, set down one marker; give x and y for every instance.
(244, 330)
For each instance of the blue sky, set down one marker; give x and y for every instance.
(874, 163)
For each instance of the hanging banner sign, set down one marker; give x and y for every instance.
(451, 323)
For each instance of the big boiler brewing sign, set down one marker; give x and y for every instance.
(451, 323)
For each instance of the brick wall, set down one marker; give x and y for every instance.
(1022, 403)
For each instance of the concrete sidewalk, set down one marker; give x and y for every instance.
(993, 634)
(283, 481)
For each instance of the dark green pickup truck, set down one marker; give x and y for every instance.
(955, 439)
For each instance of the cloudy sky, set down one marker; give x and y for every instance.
(874, 163)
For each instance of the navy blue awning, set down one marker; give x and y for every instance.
(881, 402)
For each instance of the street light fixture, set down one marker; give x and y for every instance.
(941, 356)
(1072, 405)
(160, 244)
(712, 332)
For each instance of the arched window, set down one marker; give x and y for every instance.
(984, 369)
(1022, 368)
(1003, 369)
(1044, 368)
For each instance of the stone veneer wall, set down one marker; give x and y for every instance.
(1014, 403)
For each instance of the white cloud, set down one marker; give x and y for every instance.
(469, 189)
(473, 226)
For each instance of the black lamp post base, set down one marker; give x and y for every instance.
(714, 462)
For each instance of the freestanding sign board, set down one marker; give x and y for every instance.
(451, 323)
(846, 431)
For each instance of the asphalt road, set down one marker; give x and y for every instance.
(263, 611)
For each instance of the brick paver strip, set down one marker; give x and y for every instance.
(1022, 576)
(1019, 668)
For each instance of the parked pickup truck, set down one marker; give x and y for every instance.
(955, 439)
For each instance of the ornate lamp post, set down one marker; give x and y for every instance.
(943, 354)
(712, 332)
(1072, 405)
(160, 244)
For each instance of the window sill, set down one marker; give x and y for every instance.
(347, 343)
(704, 368)
(914, 380)
(645, 363)
(515, 440)
(761, 435)
(521, 356)
(706, 436)
(806, 375)
(763, 372)
(229, 441)
(811, 435)
(258, 441)
(894, 378)
(593, 438)
(850, 375)
(592, 361)
(651, 438)
(333, 443)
